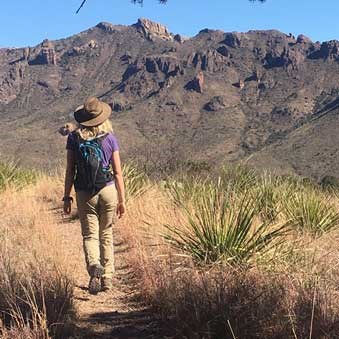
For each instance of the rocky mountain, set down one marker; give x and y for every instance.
(265, 96)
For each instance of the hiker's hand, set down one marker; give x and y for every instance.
(121, 209)
(67, 207)
(67, 204)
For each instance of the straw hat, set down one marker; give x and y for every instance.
(93, 113)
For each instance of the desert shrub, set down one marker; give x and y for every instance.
(310, 211)
(135, 181)
(220, 227)
(11, 174)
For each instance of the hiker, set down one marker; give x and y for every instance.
(93, 166)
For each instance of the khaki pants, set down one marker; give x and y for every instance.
(97, 214)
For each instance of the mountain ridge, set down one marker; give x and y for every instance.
(217, 96)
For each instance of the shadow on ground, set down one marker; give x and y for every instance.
(124, 325)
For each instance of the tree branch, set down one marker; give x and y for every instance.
(82, 4)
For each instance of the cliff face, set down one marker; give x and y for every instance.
(217, 96)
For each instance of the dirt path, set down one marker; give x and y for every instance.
(114, 314)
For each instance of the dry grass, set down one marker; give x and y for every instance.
(36, 285)
(290, 292)
(296, 295)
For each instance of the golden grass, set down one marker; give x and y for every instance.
(292, 292)
(295, 295)
(36, 284)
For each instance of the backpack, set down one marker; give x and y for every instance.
(91, 175)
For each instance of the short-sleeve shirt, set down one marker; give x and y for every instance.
(109, 145)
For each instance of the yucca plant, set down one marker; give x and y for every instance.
(310, 211)
(219, 228)
(268, 194)
(11, 174)
(239, 178)
(186, 188)
(135, 181)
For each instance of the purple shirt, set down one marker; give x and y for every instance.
(109, 145)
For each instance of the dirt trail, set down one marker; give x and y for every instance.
(114, 314)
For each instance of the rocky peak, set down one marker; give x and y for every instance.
(302, 39)
(152, 29)
(105, 26)
(47, 54)
(233, 39)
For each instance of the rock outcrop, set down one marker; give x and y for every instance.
(216, 104)
(105, 26)
(10, 84)
(240, 84)
(233, 39)
(167, 65)
(302, 39)
(151, 29)
(288, 57)
(211, 61)
(197, 84)
(92, 44)
(46, 56)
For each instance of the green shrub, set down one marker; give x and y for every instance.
(221, 228)
(310, 211)
(11, 174)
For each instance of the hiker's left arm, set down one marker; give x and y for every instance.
(69, 180)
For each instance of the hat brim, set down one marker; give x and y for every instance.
(84, 118)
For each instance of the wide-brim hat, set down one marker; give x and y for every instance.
(92, 113)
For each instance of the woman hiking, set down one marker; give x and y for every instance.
(93, 166)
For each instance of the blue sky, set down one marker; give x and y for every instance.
(24, 22)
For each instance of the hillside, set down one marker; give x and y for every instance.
(216, 96)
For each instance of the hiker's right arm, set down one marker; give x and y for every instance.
(119, 183)
(69, 180)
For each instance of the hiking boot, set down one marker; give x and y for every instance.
(106, 284)
(94, 286)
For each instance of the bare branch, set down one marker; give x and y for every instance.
(82, 4)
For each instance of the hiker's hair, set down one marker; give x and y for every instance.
(92, 132)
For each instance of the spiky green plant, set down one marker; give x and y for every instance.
(11, 174)
(239, 178)
(268, 194)
(186, 188)
(311, 211)
(220, 228)
(135, 181)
